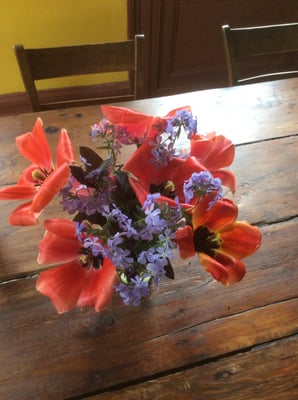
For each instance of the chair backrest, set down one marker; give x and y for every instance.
(45, 63)
(255, 41)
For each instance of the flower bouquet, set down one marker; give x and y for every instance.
(124, 223)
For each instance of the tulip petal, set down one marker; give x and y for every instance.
(136, 123)
(34, 146)
(62, 227)
(120, 115)
(50, 187)
(55, 248)
(227, 178)
(173, 113)
(219, 154)
(223, 213)
(141, 167)
(17, 192)
(65, 151)
(26, 177)
(184, 239)
(240, 240)
(24, 216)
(63, 284)
(224, 269)
(98, 287)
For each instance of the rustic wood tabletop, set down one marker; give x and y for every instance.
(193, 338)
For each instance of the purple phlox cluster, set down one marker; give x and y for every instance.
(69, 200)
(163, 150)
(82, 198)
(86, 234)
(120, 257)
(93, 203)
(142, 247)
(114, 136)
(80, 230)
(132, 294)
(95, 246)
(167, 238)
(156, 258)
(183, 119)
(154, 221)
(201, 184)
(102, 129)
(124, 222)
(164, 147)
(149, 203)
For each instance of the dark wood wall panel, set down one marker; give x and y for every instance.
(184, 47)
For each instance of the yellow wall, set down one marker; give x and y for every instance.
(47, 23)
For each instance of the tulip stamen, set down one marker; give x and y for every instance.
(206, 241)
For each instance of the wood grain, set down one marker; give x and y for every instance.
(269, 110)
(179, 325)
(264, 372)
(193, 338)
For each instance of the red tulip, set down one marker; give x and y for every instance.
(146, 178)
(215, 153)
(72, 283)
(138, 125)
(219, 240)
(39, 182)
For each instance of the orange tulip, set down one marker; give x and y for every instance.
(41, 181)
(72, 283)
(137, 124)
(146, 178)
(219, 240)
(215, 153)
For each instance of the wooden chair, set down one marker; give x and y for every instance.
(240, 43)
(45, 63)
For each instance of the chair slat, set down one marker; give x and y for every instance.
(46, 63)
(257, 41)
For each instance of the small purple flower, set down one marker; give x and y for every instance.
(185, 120)
(201, 184)
(154, 222)
(133, 292)
(95, 246)
(149, 203)
(156, 268)
(80, 229)
(119, 256)
(162, 150)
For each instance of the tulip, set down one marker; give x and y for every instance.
(146, 178)
(139, 126)
(73, 283)
(215, 153)
(220, 241)
(41, 181)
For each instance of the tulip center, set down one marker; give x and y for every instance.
(39, 176)
(88, 260)
(205, 241)
(165, 189)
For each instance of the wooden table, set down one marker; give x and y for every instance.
(193, 338)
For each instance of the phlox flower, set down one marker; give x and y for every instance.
(220, 241)
(80, 279)
(41, 181)
(132, 294)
